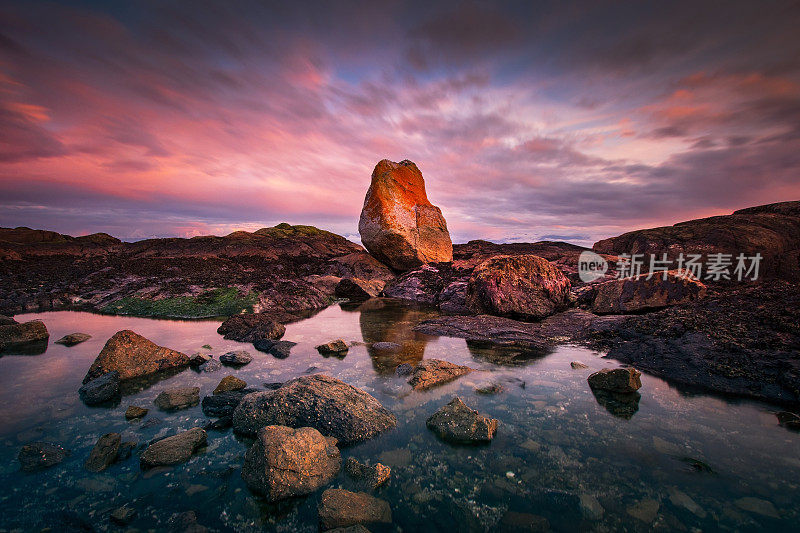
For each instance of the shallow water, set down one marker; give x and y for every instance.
(585, 463)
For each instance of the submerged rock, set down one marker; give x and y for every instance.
(337, 347)
(237, 358)
(279, 349)
(123, 515)
(73, 338)
(173, 450)
(230, 383)
(40, 455)
(17, 335)
(185, 522)
(134, 412)
(455, 422)
(404, 369)
(371, 476)
(178, 398)
(342, 508)
(526, 287)
(788, 420)
(251, 327)
(133, 356)
(331, 406)
(620, 380)
(516, 522)
(286, 462)
(639, 293)
(398, 225)
(200, 359)
(101, 390)
(432, 372)
(577, 365)
(212, 365)
(104, 453)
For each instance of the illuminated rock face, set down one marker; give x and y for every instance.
(398, 225)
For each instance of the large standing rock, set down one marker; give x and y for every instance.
(432, 372)
(525, 287)
(342, 508)
(17, 335)
(398, 225)
(455, 422)
(133, 356)
(173, 450)
(286, 462)
(638, 293)
(251, 327)
(319, 401)
(622, 380)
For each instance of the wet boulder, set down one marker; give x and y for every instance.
(619, 380)
(525, 287)
(337, 347)
(173, 450)
(199, 359)
(251, 327)
(636, 294)
(357, 289)
(40, 455)
(237, 358)
(398, 225)
(133, 412)
(224, 403)
(286, 462)
(456, 422)
(178, 398)
(342, 508)
(104, 453)
(133, 356)
(73, 338)
(103, 389)
(432, 372)
(278, 349)
(331, 406)
(18, 335)
(370, 476)
(229, 383)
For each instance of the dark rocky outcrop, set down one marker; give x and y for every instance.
(15, 335)
(173, 450)
(432, 372)
(331, 406)
(455, 422)
(73, 338)
(772, 230)
(398, 225)
(286, 462)
(103, 389)
(40, 455)
(342, 508)
(526, 287)
(133, 356)
(645, 293)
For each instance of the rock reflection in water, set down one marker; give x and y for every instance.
(621, 405)
(388, 321)
(30, 348)
(512, 353)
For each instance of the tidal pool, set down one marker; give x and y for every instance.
(671, 461)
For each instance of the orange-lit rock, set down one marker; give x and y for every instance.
(398, 225)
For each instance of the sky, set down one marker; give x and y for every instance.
(529, 120)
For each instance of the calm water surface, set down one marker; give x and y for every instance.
(672, 461)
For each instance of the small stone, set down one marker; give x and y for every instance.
(342, 508)
(455, 422)
(178, 398)
(123, 515)
(757, 506)
(337, 347)
(239, 357)
(531, 445)
(371, 476)
(73, 338)
(209, 366)
(494, 388)
(278, 349)
(386, 347)
(134, 412)
(522, 523)
(40, 455)
(230, 383)
(185, 522)
(645, 510)
(173, 450)
(577, 365)
(404, 369)
(681, 499)
(104, 453)
(621, 380)
(432, 372)
(199, 359)
(104, 389)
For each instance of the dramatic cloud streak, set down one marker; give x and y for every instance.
(538, 120)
